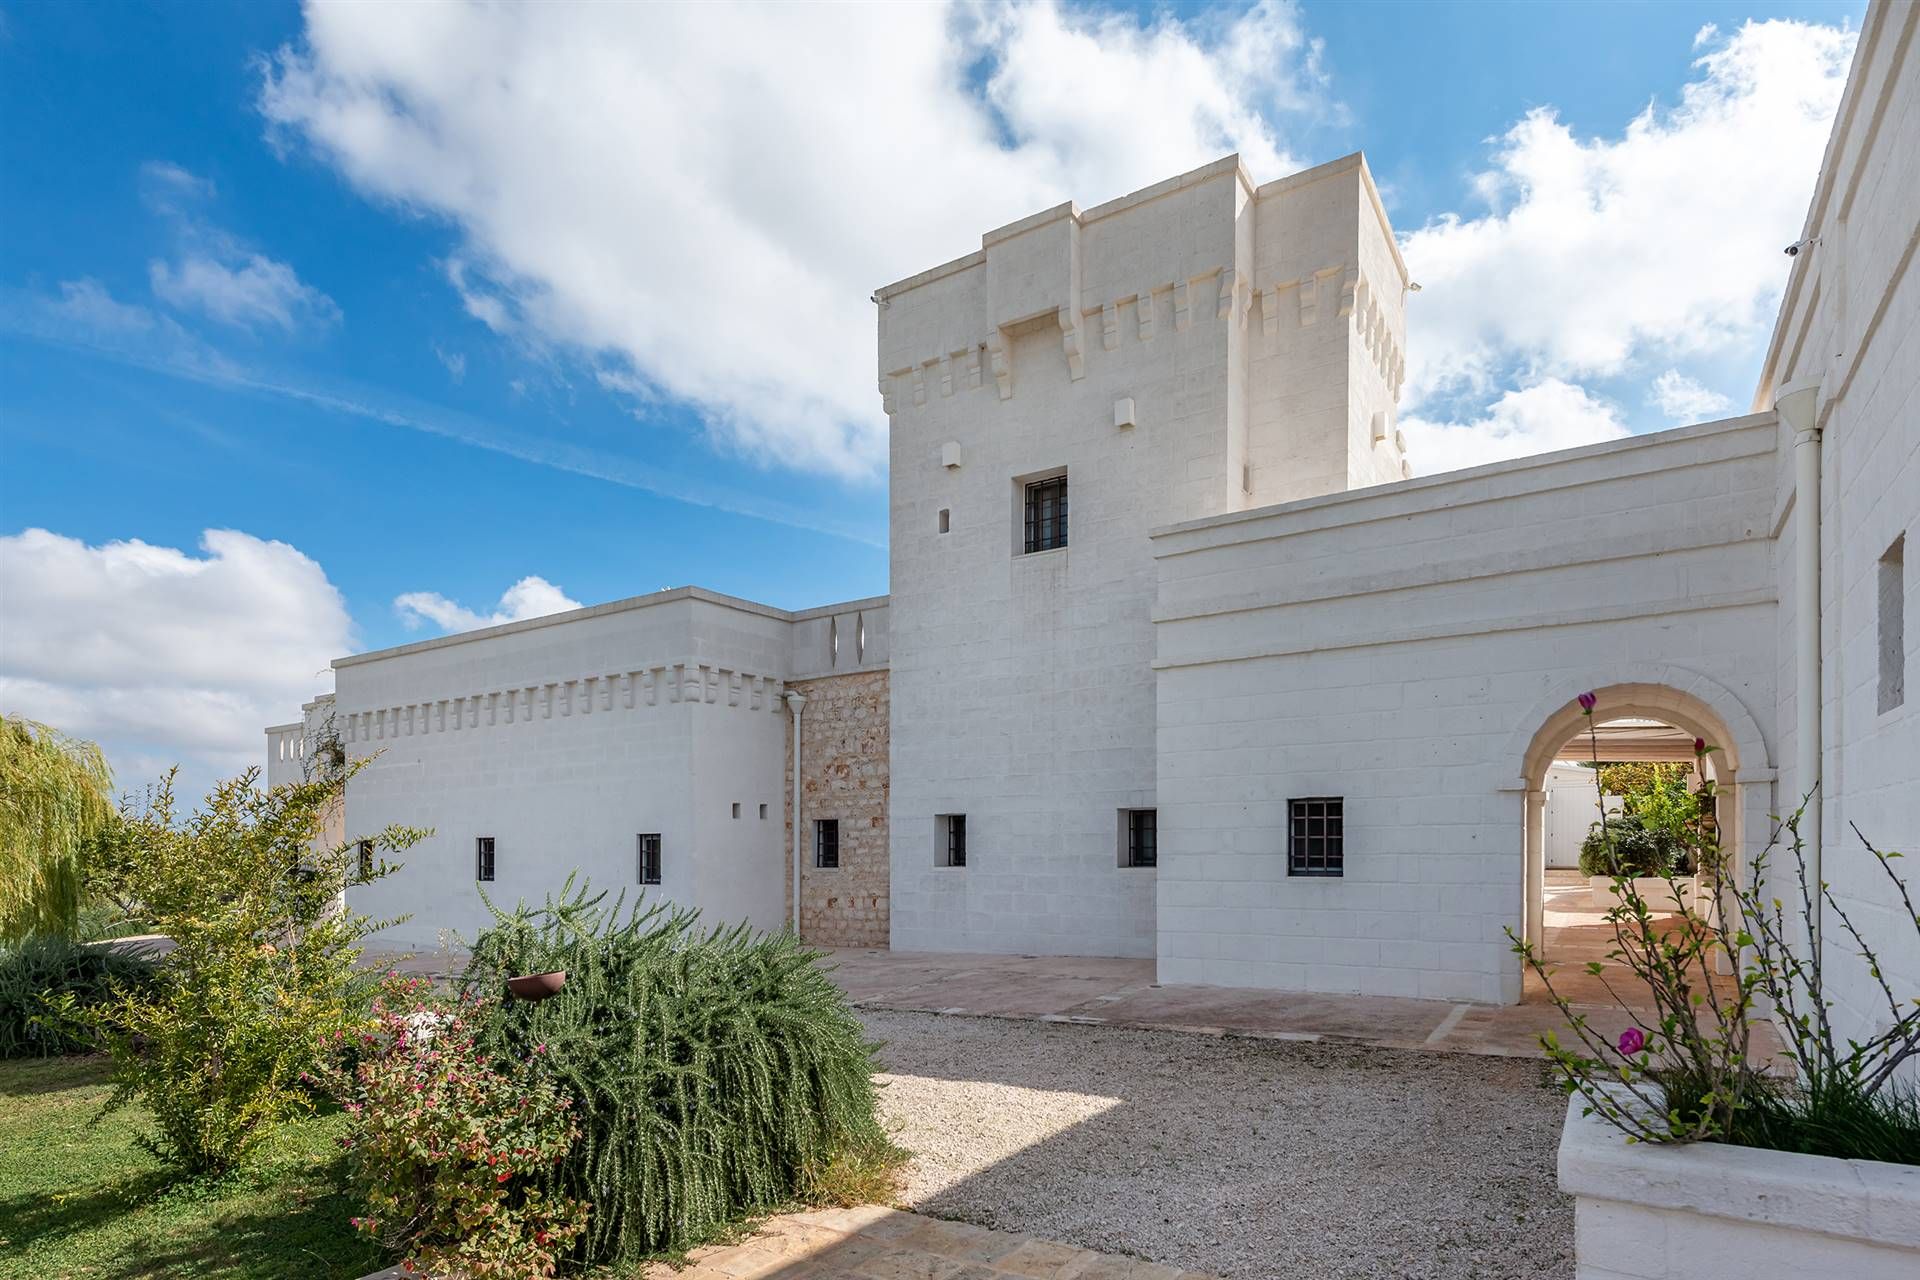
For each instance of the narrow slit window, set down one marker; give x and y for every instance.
(950, 830)
(1142, 838)
(1893, 625)
(1316, 840)
(1046, 525)
(763, 813)
(483, 858)
(648, 857)
(736, 808)
(946, 519)
(366, 859)
(826, 843)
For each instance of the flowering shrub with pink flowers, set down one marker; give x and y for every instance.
(1685, 1071)
(447, 1142)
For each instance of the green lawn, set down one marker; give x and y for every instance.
(79, 1198)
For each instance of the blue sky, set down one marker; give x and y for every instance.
(442, 308)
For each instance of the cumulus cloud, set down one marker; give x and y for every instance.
(1596, 254)
(1550, 414)
(700, 203)
(531, 597)
(1684, 400)
(163, 655)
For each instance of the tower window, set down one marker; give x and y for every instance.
(648, 857)
(365, 850)
(950, 830)
(1141, 838)
(1316, 841)
(946, 519)
(1046, 524)
(1893, 625)
(483, 858)
(826, 843)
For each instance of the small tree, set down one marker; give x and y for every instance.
(263, 967)
(56, 797)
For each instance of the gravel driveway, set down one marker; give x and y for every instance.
(1235, 1157)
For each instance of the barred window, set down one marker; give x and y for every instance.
(826, 843)
(648, 855)
(1143, 838)
(1047, 514)
(366, 859)
(952, 848)
(483, 858)
(1316, 839)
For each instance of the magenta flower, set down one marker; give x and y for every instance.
(1632, 1042)
(1586, 701)
(1699, 746)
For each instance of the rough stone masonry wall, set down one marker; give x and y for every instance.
(844, 775)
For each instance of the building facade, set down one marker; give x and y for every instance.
(1180, 661)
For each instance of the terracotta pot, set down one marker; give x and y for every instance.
(537, 986)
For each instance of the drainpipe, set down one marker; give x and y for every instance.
(1798, 404)
(796, 703)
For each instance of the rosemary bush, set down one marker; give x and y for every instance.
(715, 1073)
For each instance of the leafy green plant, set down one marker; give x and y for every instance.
(49, 985)
(716, 1073)
(262, 969)
(56, 795)
(449, 1144)
(1624, 845)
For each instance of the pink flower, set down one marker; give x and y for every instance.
(1586, 701)
(1699, 746)
(1632, 1041)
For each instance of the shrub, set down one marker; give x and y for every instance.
(262, 969)
(49, 986)
(448, 1145)
(1684, 1075)
(56, 795)
(1625, 846)
(716, 1073)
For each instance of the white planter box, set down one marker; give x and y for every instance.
(1653, 890)
(1708, 1211)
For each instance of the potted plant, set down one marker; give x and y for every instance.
(1680, 1146)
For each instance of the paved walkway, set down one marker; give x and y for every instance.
(875, 1243)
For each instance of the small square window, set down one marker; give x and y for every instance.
(1046, 515)
(1139, 838)
(1893, 625)
(950, 832)
(648, 851)
(1316, 836)
(483, 858)
(365, 850)
(826, 843)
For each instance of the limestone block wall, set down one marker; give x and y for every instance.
(1399, 647)
(844, 776)
(1851, 318)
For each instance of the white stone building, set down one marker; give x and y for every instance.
(1168, 616)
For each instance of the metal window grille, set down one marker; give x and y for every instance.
(1316, 838)
(1047, 514)
(826, 843)
(1143, 838)
(366, 859)
(956, 850)
(483, 858)
(648, 851)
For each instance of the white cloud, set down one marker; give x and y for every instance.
(249, 291)
(1598, 254)
(455, 362)
(1550, 414)
(701, 202)
(160, 654)
(531, 597)
(1684, 400)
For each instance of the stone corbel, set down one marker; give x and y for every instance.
(1182, 305)
(1069, 318)
(1351, 293)
(888, 405)
(919, 384)
(1270, 311)
(1309, 300)
(973, 367)
(1110, 326)
(1229, 285)
(1002, 365)
(946, 376)
(1143, 312)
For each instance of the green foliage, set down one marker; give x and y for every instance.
(1629, 778)
(47, 987)
(448, 1145)
(716, 1074)
(56, 795)
(1626, 846)
(262, 970)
